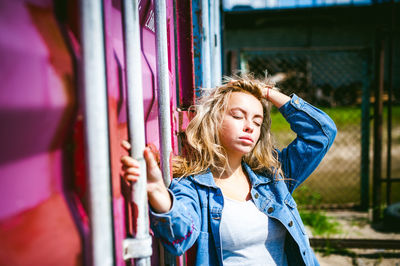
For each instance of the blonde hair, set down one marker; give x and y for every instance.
(203, 149)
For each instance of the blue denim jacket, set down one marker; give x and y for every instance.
(197, 202)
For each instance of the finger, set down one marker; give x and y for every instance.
(126, 145)
(132, 178)
(125, 167)
(150, 159)
(129, 161)
(155, 151)
(133, 171)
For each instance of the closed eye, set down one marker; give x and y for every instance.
(257, 122)
(237, 114)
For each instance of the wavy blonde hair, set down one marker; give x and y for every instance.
(203, 149)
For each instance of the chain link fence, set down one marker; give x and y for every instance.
(333, 81)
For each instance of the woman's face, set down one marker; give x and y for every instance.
(241, 125)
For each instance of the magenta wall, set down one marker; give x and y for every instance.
(37, 100)
(43, 199)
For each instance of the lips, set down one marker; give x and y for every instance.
(246, 138)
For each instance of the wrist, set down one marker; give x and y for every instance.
(277, 98)
(157, 191)
(159, 198)
(267, 92)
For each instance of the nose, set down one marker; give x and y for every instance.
(248, 127)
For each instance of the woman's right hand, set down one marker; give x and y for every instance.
(158, 195)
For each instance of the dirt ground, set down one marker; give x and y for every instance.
(361, 260)
(356, 225)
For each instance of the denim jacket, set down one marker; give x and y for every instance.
(197, 203)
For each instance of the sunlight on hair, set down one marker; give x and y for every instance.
(203, 149)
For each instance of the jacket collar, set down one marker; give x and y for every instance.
(206, 178)
(255, 179)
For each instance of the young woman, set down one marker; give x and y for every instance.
(233, 195)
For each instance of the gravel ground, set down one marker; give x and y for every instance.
(356, 225)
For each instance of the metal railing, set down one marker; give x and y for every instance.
(138, 247)
(96, 132)
(163, 88)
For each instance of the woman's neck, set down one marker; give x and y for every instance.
(233, 182)
(234, 167)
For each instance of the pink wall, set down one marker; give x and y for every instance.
(36, 111)
(41, 140)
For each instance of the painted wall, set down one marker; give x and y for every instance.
(37, 102)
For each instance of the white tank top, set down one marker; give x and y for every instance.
(250, 237)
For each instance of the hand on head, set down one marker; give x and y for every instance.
(266, 91)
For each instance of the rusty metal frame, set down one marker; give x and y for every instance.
(367, 243)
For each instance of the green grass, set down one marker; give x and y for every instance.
(342, 116)
(320, 223)
(316, 219)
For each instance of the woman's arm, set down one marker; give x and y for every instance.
(315, 134)
(174, 212)
(275, 97)
(179, 228)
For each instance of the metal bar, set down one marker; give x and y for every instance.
(355, 243)
(389, 106)
(164, 112)
(243, 62)
(390, 180)
(96, 132)
(139, 247)
(365, 133)
(314, 48)
(215, 43)
(163, 88)
(197, 44)
(377, 167)
(205, 47)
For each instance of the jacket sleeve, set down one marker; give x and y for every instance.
(315, 134)
(179, 228)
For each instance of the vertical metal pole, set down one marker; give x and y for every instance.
(164, 113)
(197, 43)
(139, 247)
(365, 127)
(215, 43)
(96, 132)
(205, 46)
(377, 169)
(163, 88)
(389, 106)
(243, 63)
